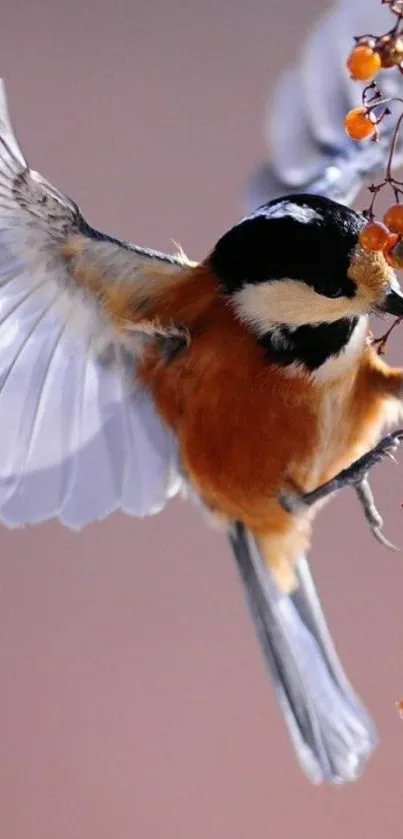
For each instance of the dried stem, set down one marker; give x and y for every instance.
(383, 340)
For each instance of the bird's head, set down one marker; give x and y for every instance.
(294, 269)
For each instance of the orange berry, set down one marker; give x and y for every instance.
(393, 218)
(374, 236)
(363, 63)
(359, 125)
(388, 249)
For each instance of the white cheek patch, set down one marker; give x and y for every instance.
(290, 302)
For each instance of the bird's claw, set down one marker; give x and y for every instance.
(356, 476)
(383, 540)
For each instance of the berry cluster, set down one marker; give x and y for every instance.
(370, 55)
(386, 236)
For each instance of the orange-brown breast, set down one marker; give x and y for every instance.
(371, 405)
(247, 428)
(239, 420)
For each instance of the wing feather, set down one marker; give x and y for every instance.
(79, 436)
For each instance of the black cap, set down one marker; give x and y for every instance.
(302, 237)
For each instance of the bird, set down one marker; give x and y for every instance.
(246, 381)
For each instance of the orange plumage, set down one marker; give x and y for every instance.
(276, 398)
(247, 430)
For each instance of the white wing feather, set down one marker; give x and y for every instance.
(78, 437)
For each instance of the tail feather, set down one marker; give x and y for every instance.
(331, 731)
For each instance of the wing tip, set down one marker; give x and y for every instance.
(7, 132)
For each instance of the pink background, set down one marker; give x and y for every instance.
(133, 698)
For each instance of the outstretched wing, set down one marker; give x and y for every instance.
(308, 148)
(78, 436)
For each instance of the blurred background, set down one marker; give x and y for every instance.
(134, 699)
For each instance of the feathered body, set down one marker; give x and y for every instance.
(248, 427)
(126, 375)
(247, 430)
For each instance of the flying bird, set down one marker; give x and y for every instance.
(246, 380)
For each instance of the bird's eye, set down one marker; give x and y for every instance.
(328, 290)
(334, 292)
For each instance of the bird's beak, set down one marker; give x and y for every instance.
(393, 302)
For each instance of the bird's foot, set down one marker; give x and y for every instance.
(355, 476)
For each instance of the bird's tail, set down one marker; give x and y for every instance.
(331, 731)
